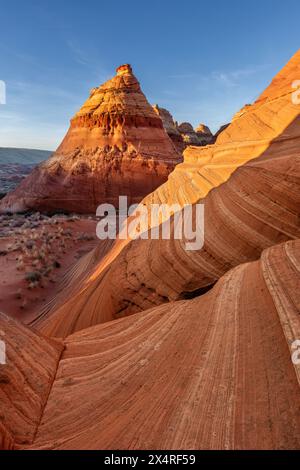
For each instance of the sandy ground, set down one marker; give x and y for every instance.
(36, 251)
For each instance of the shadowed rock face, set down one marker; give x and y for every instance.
(214, 372)
(116, 145)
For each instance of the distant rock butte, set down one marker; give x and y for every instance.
(184, 134)
(116, 145)
(204, 134)
(200, 137)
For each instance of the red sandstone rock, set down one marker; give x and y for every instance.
(116, 145)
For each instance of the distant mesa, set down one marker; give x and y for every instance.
(16, 164)
(116, 144)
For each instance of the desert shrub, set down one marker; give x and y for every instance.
(33, 276)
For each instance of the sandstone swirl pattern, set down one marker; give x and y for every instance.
(116, 145)
(214, 372)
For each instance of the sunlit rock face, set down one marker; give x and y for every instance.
(207, 361)
(116, 145)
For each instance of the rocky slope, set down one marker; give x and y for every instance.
(257, 208)
(184, 134)
(116, 145)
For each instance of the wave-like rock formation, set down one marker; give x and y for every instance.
(214, 372)
(116, 145)
(257, 207)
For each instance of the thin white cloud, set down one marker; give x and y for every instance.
(78, 55)
(234, 77)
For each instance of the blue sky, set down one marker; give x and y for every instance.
(201, 60)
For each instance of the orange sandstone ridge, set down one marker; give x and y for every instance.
(116, 145)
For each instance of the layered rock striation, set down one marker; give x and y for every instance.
(214, 372)
(116, 145)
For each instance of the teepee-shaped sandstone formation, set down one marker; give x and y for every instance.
(116, 145)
